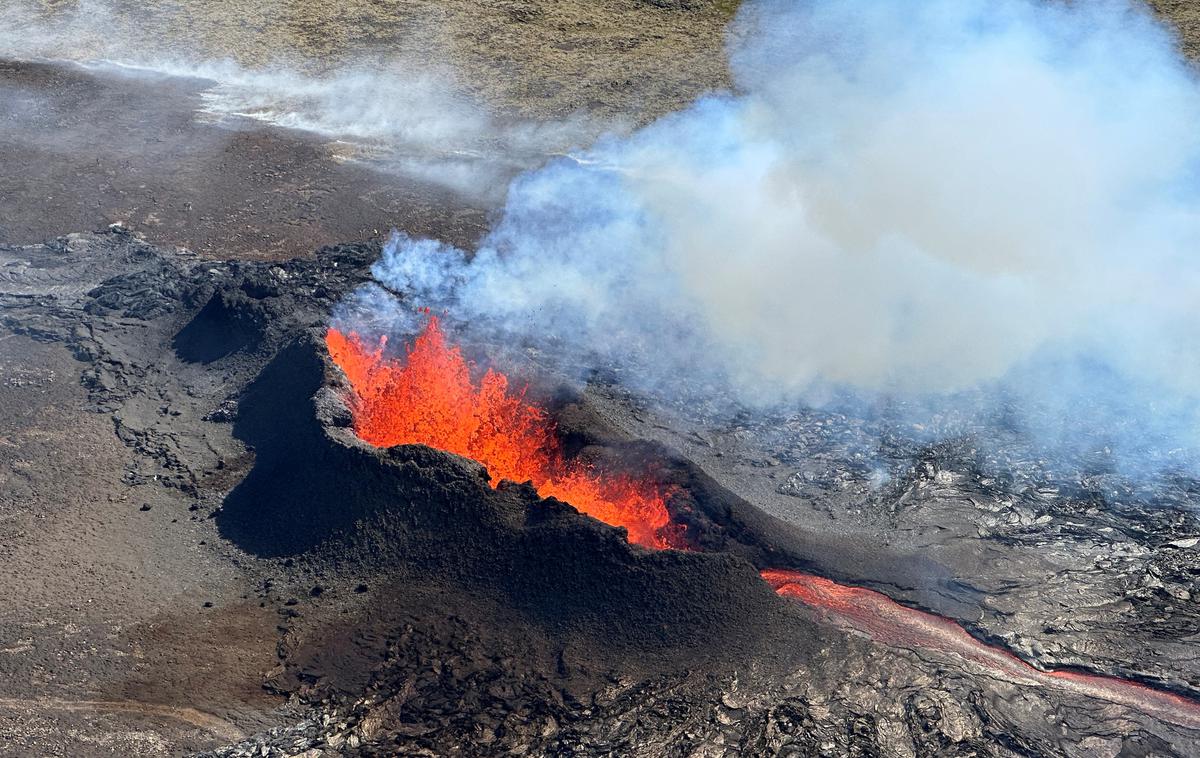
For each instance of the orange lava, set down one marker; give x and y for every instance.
(429, 398)
(886, 621)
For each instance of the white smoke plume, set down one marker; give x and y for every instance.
(919, 200)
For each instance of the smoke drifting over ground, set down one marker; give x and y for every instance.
(988, 206)
(403, 111)
(402, 116)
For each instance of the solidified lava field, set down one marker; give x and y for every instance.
(238, 518)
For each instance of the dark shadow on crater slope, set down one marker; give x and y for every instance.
(229, 322)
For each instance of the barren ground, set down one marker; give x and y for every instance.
(110, 546)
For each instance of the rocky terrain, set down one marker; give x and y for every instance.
(340, 599)
(85, 146)
(198, 557)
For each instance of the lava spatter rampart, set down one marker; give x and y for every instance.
(886, 621)
(429, 397)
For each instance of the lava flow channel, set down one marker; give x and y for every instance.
(886, 621)
(430, 398)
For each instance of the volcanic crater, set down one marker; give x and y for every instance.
(412, 603)
(230, 526)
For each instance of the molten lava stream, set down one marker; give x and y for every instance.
(886, 621)
(429, 398)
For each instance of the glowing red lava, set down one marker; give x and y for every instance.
(886, 621)
(430, 398)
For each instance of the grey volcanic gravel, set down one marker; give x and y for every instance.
(454, 618)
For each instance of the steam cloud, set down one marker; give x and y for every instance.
(970, 207)
(948, 203)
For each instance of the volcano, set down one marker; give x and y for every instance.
(428, 398)
(673, 378)
(428, 586)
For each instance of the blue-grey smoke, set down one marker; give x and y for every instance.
(984, 204)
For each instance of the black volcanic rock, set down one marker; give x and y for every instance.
(227, 323)
(316, 488)
(493, 621)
